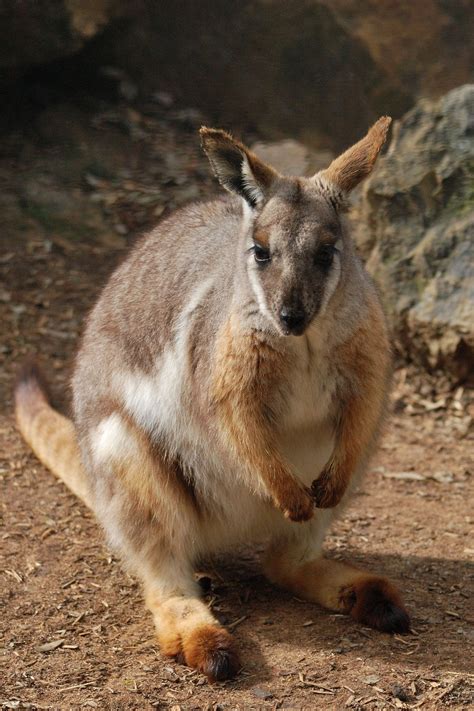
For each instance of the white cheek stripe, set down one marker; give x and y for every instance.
(332, 282)
(257, 287)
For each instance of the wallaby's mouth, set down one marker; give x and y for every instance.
(295, 330)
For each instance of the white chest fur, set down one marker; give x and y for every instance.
(307, 437)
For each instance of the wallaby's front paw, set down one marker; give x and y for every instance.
(297, 504)
(325, 494)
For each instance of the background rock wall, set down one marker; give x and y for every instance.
(318, 70)
(415, 227)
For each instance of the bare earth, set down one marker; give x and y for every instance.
(74, 629)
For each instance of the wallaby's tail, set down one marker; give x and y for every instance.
(50, 435)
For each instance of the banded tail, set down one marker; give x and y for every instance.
(50, 435)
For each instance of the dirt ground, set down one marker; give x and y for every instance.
(75, 187)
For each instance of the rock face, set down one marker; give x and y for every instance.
(416, 230)
(290, 157)
(319, 71)
(33, 32)
(422, 47)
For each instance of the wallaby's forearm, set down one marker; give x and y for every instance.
(247, 371)
(355, 432)
(365, 361)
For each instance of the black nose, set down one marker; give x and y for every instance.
(292, 319)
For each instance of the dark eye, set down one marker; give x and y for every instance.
(262, 254)
(325, 255)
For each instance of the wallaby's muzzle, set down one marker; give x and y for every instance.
(293, 320)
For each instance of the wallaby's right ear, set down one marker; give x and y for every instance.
(236, 167)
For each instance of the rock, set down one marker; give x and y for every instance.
(403, 37)
(34, 33)
(320, 71)
(416, 229)
(261, 693)
(371, 680)
(400, 692)
(291, 157)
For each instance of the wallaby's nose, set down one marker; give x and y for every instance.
(292, 319)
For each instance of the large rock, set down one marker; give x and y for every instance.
(416, 230)
(33, 32)
(290, 157)
(319, 71)
(422, 47)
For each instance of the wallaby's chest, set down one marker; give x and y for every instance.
(307, 435)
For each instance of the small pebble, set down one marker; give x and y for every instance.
(261, 693)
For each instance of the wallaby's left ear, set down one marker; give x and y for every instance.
(357, 162)
(236, 167)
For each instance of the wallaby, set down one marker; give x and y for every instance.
(230, 387)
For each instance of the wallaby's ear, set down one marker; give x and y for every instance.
(236, 167)
(357, 162)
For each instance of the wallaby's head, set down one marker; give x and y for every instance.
(294, 249)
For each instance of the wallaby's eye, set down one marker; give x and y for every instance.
(262, 254)
(325, 255)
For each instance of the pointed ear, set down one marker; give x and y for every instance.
(357, 162)
(236, 167)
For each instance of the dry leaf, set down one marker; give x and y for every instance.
(50, 646)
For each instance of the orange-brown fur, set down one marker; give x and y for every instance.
(187, 631)
(50, 434)
(212, 651)
(141, 473)
(358, 161)
(369, 599)
(366, 357)
(262, 237)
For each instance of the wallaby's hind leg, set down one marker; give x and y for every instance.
(187, 630)
(185, 626)
(152, 517)
(370, 599)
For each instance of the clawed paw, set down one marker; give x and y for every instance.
(298, 505)
(211, 650)
(325, 495)
(376, 602)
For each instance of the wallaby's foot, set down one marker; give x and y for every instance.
(376, 602)
(211, 650)
(369, 599)
(296, 502)
(187, 631)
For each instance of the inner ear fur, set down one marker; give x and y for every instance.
(236, 167)
(355, 164)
